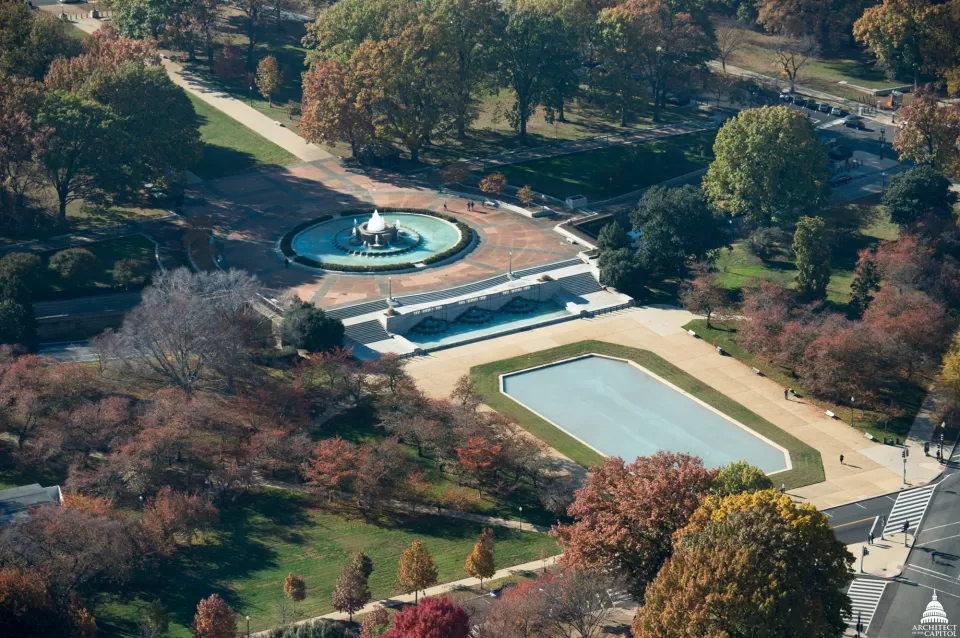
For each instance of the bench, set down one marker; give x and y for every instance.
(756, 371)
(691, 333)
(830, 414)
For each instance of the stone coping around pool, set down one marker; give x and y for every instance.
(805, 460)
(469, 238)
(656, 377)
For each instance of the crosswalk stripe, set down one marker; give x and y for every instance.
(864, 596)
(910, 507)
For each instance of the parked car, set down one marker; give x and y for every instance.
(854, 121)
(837, 111)
(837, 180)
(812, 105)
(823, 107)
(786, 96)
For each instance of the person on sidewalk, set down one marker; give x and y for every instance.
(870, 538)
(785, 394)
(841, 459)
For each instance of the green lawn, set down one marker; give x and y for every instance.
(807, 466)
(609, 172)
(856, 227)
(266, 535)
(231, 148)
(136, 247)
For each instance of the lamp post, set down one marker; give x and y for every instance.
(248, 626)
(852, 401)
(510, 267)
(521, 518)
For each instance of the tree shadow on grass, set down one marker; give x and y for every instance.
(223, 161)
(242, 544)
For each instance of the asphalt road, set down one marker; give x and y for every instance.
(933, 566)
(851, 523)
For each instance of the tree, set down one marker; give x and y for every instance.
(417, 571)
(127, 272)
(455, 173)
(74, 265)
(704, 295)
(469, 27)
(201, 24)
(73, 160)
(525, 195)
(363, 563)
(142, 19)
(731, 36)
(750, 564)
(928, 132)
(950, 370)
(20, 138)
(375, 623)
(269, 78)
(433, 618)
(155, 620)
(27, 610)
(295, 588)
(479, 456)
(214, 619)
(494, 183)
(612, 237)
(308, 327)
(528, 49)
(866, 281)
(411, 81)
(17, 324)
(739, 477)
(618, 43)
(917, 193)
(769, 166)
(519, 612)
(576, 602)
(625, 515)
(334, 109)
(332, 466)
(677, 225)
(191, 329)
(899, 33)
(228, 63)
(620, 271)
(172, 516)
(253, 11)
(811, 245)
(30, 40)
(74, 549)
(671, 43)
(480, 563)
(826, 23)
(352, 591)
(20, 275)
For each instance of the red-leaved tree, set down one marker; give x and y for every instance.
(625, 515)
(433, 618)
(214, 619)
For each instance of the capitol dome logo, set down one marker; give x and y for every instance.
(934, 622)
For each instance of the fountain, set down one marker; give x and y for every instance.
(380, 239)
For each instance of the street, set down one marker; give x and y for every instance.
(933, 566)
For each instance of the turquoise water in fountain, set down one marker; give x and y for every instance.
(317, 241)
(619, 410)
(501, 322)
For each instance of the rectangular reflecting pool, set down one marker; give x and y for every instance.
(619, 409)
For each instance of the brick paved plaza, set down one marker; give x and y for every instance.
(252, 212)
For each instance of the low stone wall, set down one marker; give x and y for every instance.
(403, 322)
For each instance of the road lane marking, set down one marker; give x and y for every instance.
(931, 571)
(862, 520)
(864, 596)
(909, 508)
(927, 529)
(945, 538)
(860, 506)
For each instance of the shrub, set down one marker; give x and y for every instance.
(19, 276)
(126, 273)
(74, 265)
(763, 242)
(308, 327)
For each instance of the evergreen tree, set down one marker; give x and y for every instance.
(812, 249)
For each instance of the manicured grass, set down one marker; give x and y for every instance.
(231, 148)
(609, 172)
(909, 397)
(266, 535)
(820, 74)
(135, 247)
(856, 227)
(807, 466)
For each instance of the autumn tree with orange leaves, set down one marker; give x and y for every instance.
(625, 515)
(214, 619)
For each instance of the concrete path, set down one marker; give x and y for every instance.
(246, 115)
(580, 146)
(437, 590)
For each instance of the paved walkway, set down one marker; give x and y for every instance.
(659, 329)
(231, 106)
(437, 590)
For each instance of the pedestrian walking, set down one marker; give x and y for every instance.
(870, 538)
(841, 459)
(785, 397)
(444, 205)
(783, 488)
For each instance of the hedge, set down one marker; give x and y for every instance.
(466, 237)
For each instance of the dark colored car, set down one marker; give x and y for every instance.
(837, 180)
(854, 121)
(823, 107)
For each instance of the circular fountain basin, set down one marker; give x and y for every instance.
(349, 241)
